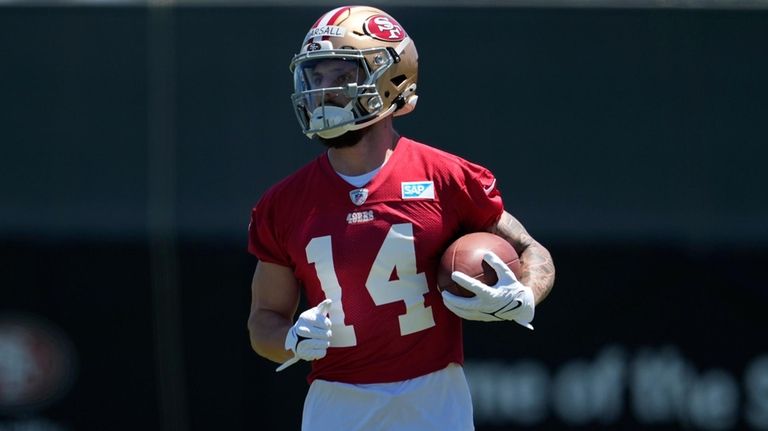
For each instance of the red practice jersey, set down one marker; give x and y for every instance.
(374, 251)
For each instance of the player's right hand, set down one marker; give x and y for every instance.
(310, 337)
(508, 299)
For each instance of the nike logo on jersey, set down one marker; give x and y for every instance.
(490, 188)
(418, 190)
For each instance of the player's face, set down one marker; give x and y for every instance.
(337, 74)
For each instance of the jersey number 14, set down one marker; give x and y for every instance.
(398, 253)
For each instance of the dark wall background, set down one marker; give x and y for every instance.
(630, 142)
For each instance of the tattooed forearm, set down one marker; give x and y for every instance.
(538, 270)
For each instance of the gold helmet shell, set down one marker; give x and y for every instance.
(380, 65)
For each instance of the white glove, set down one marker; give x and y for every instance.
(310, 337)
(507, 300)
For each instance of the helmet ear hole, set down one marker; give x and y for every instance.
(397, 80)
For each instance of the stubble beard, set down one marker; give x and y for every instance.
(348, 139)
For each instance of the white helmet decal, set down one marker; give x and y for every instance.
(384, 28)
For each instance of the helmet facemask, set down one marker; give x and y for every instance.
(335, 90)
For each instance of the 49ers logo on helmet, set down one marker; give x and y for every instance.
(385, 28)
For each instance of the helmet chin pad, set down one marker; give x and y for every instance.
(410, 105)
(328, 118)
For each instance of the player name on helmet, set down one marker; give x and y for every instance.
(326, 30)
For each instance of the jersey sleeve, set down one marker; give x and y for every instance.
(480, 204)
(263, 239)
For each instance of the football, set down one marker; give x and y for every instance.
(466, 255)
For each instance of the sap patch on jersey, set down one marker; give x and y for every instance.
(418, 190)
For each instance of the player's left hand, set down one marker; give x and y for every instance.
(509, 299)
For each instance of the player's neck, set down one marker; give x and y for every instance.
(371, 152)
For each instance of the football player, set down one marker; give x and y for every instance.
(359, 231)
